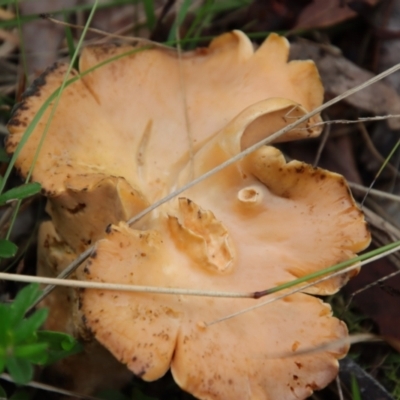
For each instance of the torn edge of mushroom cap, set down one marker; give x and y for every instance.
(202, 237)
(89, 204)
(330, 202)
(306, 214)
(234, 359)
(252, 125)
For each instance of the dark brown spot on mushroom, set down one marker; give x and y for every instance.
(77, 208)
(108, 228)
(86, 270)
(94, 254)
(299, 365)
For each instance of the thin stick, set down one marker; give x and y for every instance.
(339, 388)
(64, 274)
(329, 346)
(244, 153)
(121, 287)
(263, 142)
(377, 282)
(371, 147)
(135, 40)
(307, 285)
(356, 121)
(378, 193)
(380, 171)
(49, 388)
(324, 139)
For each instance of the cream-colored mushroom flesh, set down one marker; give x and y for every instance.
(256, 224)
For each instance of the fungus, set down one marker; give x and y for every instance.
(112, 149)
(253, 225)
(109, 141)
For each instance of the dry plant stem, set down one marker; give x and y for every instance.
(324, 139)
(371, 147)
(352, 339)
(133, 40)
(374, 192)
(64, 274)
(378, 282)
(236, 158)
(305, 286)
(339, 388)
(382, 224)
(190, 292)
(121, 287)
(282, 296)
(264, 142)
(49, 388)
(358, 120)
(7, 215)
(385, 163)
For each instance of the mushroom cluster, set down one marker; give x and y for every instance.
(132, 131)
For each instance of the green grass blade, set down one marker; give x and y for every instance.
(21, 41)
(328, 270)
(150, 13)
(38, 116)
(355, 389)
(387, 159)
(4, 157)
(52, 112)
(70, 41)
(179, 19)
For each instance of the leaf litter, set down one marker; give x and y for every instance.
(352, 144)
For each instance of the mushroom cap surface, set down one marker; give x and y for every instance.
(120, 118)
(255, 224)
(260, 222)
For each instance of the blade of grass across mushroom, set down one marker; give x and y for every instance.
(32, 126)
(53, 97)
(324, 274)
(83, 256)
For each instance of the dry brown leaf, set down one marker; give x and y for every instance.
(339, 74)
(322, 13)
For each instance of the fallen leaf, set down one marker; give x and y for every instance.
(339, 74)
(323, 13)
(381, 305)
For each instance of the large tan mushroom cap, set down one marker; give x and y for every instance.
(121, 139)
(256, 224)
(128, 118)
(121, 132)
(232, 359)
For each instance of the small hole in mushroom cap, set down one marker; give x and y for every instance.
(250, 195)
